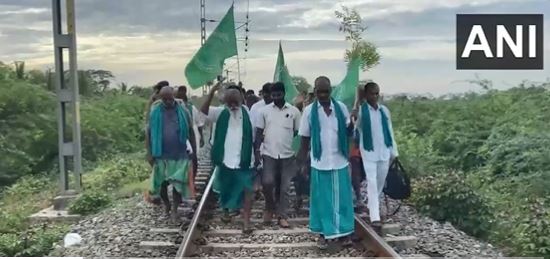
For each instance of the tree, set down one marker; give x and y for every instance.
(37, 77)
(86, 85)
(50, 85)
(19, 70)
(301, 84)
(102, 78)
(123, 87)
(144, 92)
(352, 25)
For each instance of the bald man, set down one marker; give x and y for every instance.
(168, 133)
(325, 127)
(232, 152)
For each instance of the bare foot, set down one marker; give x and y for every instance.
(247, 229)
(284, 223)
(268, 217)
(226, 218)
(174, 217)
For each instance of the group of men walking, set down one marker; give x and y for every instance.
(274, 142)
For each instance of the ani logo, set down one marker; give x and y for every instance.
(499, 41)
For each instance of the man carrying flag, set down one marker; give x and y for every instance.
(326, 125)
(232, 152)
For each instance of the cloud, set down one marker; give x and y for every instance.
(423, 50)
(143, 41)
(25, 11)
(383, 10)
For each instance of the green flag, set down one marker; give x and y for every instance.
(347, 89)
(282, 75)
(208, 61)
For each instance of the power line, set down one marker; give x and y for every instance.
(203, 32)
(246, 31)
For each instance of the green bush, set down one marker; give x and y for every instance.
(448, 197)
(532, 230)
(90, 202)
(518, 153)
(110, 124)
(36, 241)
(12, 221)
(107, 179)
(523, 226)
(416, 154)
(120, 170)
(28, 131)
(28, 195)
(10, 244)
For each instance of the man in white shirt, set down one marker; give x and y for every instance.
(377, 147)
(276, 127)
(326, 125)
(266, 99)
(254, 114)
(232, 152)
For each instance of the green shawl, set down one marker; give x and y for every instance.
(218, 149)
(155, 123)
(366, 128)
(316, 130)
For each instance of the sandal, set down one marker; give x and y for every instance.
(226, 218)
(346, 242)
(247, 229)
(322, 243)
(377, 227)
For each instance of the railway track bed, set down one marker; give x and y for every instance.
(136, 229)
(208, 236)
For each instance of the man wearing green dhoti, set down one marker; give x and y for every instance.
(326, 125)
(232, 152)
(168, 133)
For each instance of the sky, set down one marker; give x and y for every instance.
(144, 41)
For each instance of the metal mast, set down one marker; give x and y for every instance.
(68, 102)
(203, 33)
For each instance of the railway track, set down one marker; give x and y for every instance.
(207, 236)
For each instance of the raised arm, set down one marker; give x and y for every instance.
(206, 105)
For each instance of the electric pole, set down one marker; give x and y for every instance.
(68, 100)
(203, 34)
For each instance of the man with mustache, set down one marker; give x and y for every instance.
(232, 152)
(276, 126)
